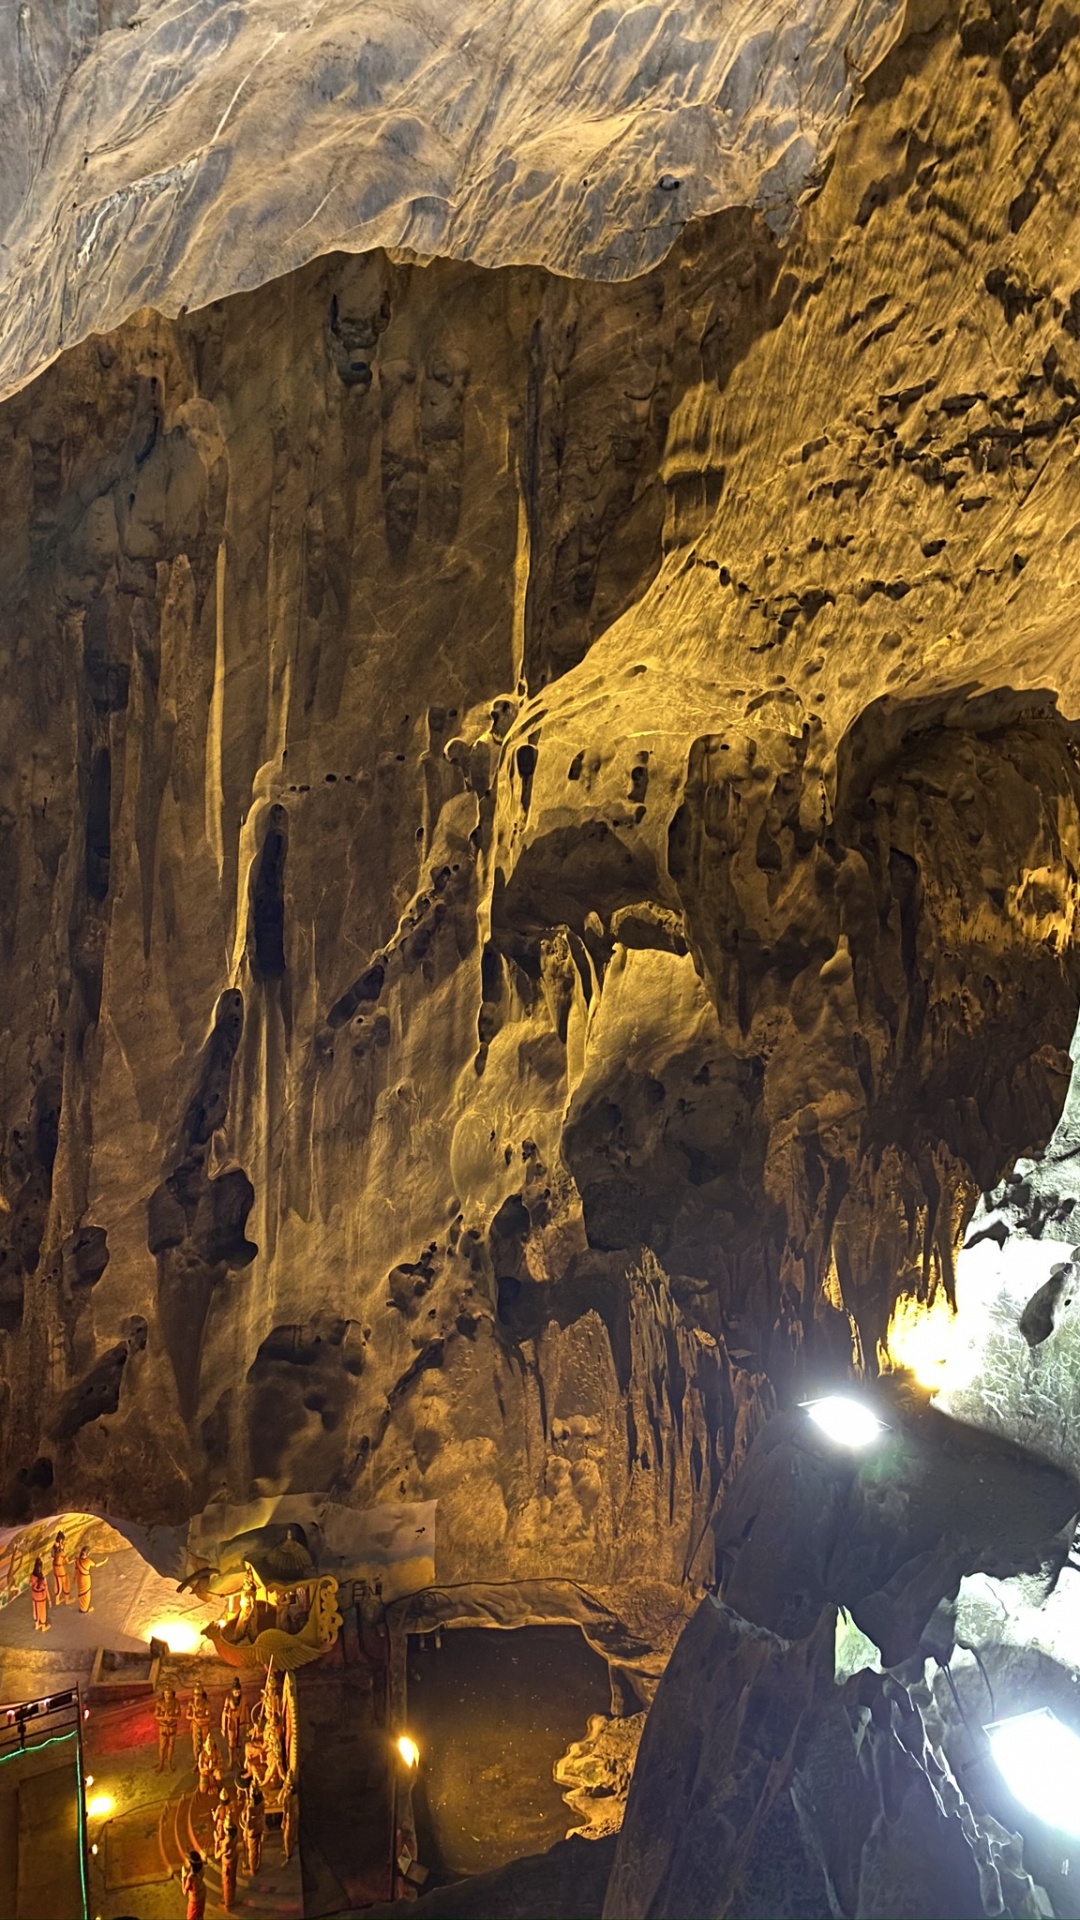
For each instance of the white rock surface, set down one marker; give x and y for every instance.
(171, 152)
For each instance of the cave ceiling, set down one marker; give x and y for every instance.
(539, 780)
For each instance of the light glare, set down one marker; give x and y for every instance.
(921, 1339)
(844, 1420)
(408, 1750)
(100, 1807)
(178, 1635)
(1039, 1761)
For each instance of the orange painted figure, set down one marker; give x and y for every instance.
(255, 1752)
(273, 1731)
(167, 1715)
(209, 1764)
(83, 1569)
(193, 1883)
(198, 1715)
(253, 1827)
(228, 1854)
(39, 1598)
(232, 1722)
(60, 1573)
(290, 1816)
(223, 1813)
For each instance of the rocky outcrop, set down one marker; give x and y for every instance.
(169, 152)
(540, 845)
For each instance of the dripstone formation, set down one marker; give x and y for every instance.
(540, 857)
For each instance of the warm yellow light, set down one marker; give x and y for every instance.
(408, 1750)
(180, 1636)
(920, 1339)
(100, 1807)
(94, 1847)
(89, 1780)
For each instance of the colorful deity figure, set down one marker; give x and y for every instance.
(232, 1721)
(228, 1855)
(198, 1715)
(255, 1749)
(253, 1826)
(39, 1597)
(222, 1812)
(193, 1885)
(273, 1731)
(290, 1816)
(209, 1764)
(246, 1619)
(84, 1568)
(61, 1572)
(167, 1715)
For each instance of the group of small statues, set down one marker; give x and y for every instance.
(256, 1752)
(61, 1578)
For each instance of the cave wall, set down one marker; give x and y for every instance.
(540, 826)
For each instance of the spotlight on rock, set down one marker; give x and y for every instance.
(846, 1421)
(1038, 1758)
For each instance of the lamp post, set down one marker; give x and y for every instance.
(405, 1762)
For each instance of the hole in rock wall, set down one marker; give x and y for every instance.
(493, 1711)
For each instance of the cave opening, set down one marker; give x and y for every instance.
(493, 1713)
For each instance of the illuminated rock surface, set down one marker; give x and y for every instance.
(540, 796)
(167, 152)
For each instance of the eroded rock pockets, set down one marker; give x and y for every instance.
(197, 1216)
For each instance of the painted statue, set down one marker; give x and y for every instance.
(222, 1813)
(39, 1598)
(273, 1728)
(253, 1827)
(232, 1721)
(60, 1572)
(228, 1854)
(255, 1751)
(290, 1816)
(209, 1764)
(246, 1618)
(198, 1715)
(167, 1715)
(84, 1567)
(193, 1884)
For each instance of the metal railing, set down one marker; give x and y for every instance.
(25, 1724)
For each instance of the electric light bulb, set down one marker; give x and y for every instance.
(1039, 1760)
(845, 1420)
(408, 1750)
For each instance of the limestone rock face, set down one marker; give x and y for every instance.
(539, 815)
(167, 152)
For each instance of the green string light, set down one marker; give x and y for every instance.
(55, 1740)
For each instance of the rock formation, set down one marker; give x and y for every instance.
(539, 769)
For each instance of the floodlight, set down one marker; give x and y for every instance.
(409, 1751)
(1038, 1758)
(100, 1807)
(844, 1420)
